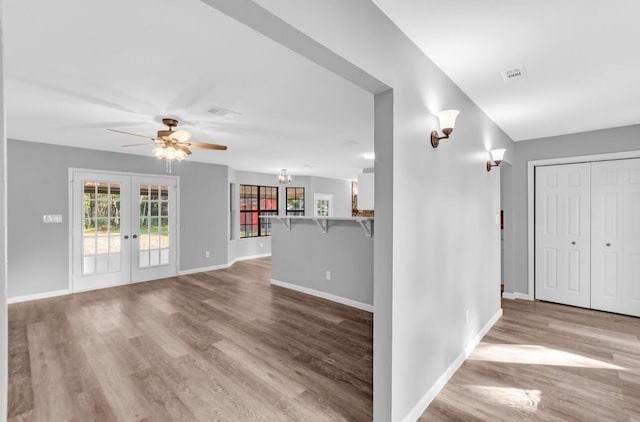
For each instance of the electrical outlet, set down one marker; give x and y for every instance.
(466, 316)
(207, 254)
(49, 219)
(327, 275)
(262, 244)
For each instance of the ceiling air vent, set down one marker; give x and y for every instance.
(222, 112)
(511, 75)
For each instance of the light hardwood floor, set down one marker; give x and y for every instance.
(226, 346)
(548, 362)
(218, 346)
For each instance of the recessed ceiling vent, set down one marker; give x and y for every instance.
(511, 75)
(222, 112)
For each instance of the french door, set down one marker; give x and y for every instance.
(123, 229)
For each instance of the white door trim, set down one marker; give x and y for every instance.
(71, 173)
(531, 165)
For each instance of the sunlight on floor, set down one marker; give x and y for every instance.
(535, 355)
(515, 398)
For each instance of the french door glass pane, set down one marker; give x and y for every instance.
(154, 226)
(101, 232)
(322, 206)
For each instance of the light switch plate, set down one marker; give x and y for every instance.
(52, 218)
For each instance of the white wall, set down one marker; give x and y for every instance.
(3, 236)
(446, 245)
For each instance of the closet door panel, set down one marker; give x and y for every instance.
(562, 214)
(615, 236)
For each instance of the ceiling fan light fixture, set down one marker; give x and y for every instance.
(180, 155)
(173, 145)
(158, 152)
(181, 135)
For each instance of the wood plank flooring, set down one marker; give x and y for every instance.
(227, 346)
(548, 362)
(217, 346)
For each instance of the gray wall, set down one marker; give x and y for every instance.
(383, 256)
(241, 248)
(446, 245)
(3, 237)
(38, 184)
(341, 189)
(301, 257)
(506, 204)
(588, 143)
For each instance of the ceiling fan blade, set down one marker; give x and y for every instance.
(146, 144)
(181, 135)
(205, 146)
(132, 134)
(183, 148)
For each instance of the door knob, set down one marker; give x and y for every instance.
(608, 244)
(135, 236)
(126, 236)
(573, 243)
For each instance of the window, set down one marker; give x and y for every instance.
(256, 201)
(323, 205)
(295, 201)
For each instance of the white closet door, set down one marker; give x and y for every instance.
(562, 224)
(615, 258)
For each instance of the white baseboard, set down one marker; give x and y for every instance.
(328, 296)
(246, 258)
(203, 269)
(426, 400)
(221, 266)
(514, 296)
(45, 295)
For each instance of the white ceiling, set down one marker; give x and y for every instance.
(581, 57)
(75, 68)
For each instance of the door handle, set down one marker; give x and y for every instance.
(126, 236)
(135, 236)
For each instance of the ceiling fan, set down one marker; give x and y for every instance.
(171, 145)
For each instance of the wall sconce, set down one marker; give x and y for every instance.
(447, 119)
(284, 177)
(496, 155)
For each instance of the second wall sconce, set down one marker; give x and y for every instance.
(447, 119)
(496, 155)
